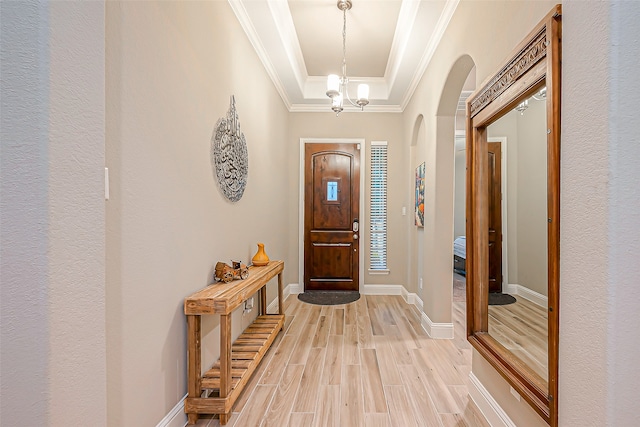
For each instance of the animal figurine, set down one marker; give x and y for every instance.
(226, 273)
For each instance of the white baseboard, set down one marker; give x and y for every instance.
(434, 330)
(273, 306)
(492, 411)
(512, 289)
(527, 293)
(535, 297)
(438, 331)
(293, 288)
(288, 290)
(384, 290)
(176, 417)
(411, 298)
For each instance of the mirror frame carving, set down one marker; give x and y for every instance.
(536, 59)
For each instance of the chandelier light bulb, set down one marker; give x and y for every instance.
(333, 85)
(363, 92)
(337, 100)
(336, 104)
(522, 106)
(541, 95)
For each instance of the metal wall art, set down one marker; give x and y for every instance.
(229, 157)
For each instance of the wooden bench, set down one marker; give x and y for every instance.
(215, 391)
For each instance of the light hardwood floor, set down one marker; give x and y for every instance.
(368, 363)
(522, 328)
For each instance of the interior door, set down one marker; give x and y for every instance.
(495, 216)
(331, 217)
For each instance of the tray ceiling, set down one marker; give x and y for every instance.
(389, 45)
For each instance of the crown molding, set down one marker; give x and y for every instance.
(247, 25)
(438, 33)
(406, 19)
(287, 32)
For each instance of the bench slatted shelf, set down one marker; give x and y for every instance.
(215, 391)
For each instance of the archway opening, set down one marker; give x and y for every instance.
(416, 249)
(459, 192)
(450, 185)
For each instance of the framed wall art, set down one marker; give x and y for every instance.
(419, 210)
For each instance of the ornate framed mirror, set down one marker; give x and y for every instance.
(513, 214)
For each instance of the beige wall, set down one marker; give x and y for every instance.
(370, 127)
(52, 246)
(507, 127)
(416, 257)
(532, 215)
(460, 208)
(525, 227)
(460, 224)
(171, 68)
(415, 235)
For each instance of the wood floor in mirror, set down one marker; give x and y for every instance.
(368, 363)
(522, 328)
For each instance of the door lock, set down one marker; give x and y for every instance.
(356, 225)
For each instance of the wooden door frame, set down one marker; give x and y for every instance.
(503, 188)
(301, 205)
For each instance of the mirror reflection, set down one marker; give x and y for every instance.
(518, 249)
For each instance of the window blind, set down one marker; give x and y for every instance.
(378, 210)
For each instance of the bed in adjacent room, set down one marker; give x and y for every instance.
(460, 255)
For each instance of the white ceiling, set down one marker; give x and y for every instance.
(389, 45)
(371, 26)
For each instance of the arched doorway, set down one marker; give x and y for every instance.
(416, 241)
(451, 159)
(459, 196)
(436, 258)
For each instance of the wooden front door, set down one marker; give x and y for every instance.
(331, 217)
(495, 217)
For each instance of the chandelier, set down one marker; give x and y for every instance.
(337, 85)
(541, 95)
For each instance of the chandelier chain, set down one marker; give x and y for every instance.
(337, 85)
(344, 44)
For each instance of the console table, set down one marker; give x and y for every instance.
(228, 376)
